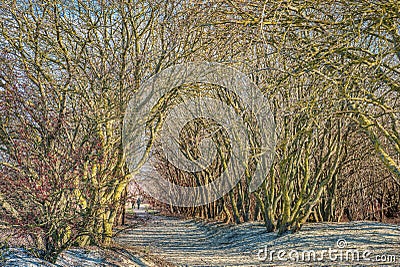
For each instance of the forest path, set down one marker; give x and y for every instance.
(193, 243)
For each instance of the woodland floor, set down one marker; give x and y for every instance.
(167, 241)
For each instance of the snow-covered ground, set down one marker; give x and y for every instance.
(91, 257)
(168, 241)
(192, 243)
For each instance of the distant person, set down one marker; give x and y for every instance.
(138, 203)
(133, 204)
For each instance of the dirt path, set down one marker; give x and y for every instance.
(192, 243)
(158, 241)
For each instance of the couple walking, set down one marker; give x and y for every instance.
(137, 203)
